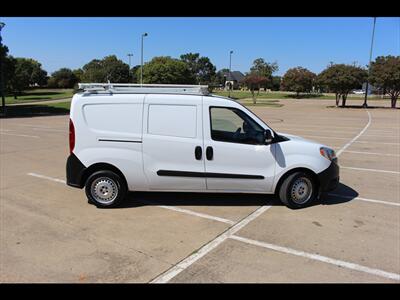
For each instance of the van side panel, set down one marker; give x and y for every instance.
(108, 129)
(171, 133)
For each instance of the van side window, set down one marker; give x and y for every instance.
(234, 126)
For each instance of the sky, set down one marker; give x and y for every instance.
(310, 42)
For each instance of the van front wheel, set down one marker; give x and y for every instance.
(105, 189)
(298, 190)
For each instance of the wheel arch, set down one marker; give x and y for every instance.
(294, 170)
(101, 167)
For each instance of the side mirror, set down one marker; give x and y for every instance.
(268, 136)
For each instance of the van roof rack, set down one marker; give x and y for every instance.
(130, 88)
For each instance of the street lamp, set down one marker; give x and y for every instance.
(369, 65)
(141, 65)
(129, 56)
(230, 74)
(3, 101)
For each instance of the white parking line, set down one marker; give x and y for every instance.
(321, 258)
(190, 212)
(342, 138)
(381, 143)
(178, 209)
(23, 135)
(365, 199)
(356, 137)
(188, 261)
(46, 177)
(48, 129)
(296, 129)
(370, 170)
(36, 126)
(325, 137)
(371, 153)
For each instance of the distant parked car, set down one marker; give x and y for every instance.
(358, 92)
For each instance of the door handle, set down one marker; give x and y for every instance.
(198, 152)
(209, 153)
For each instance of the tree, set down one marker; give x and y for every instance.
(8, 64)
(385, 75)
(78, 74)
(254, 82)
(262, 68)
(341, 79)
(28, 72)
(276, 83)
(166, 70)
(110, 68)
(201, 67)
(63, 78)
(134, 74)
(299, 80)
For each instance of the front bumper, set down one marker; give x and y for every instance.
(329, 178)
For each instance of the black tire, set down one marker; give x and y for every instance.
(110, 186)
(290, 188)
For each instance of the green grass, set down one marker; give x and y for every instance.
(64, 105)
(36, 95)
(288, 95)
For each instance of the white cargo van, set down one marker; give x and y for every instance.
(126, 137)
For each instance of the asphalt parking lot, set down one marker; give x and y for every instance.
(49, 233)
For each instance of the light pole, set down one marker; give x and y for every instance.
(141, 65)
(129, 56)
(230, 74)
(369, 65)
(3, 101)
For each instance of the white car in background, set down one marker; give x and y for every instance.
(171, 138)
(358, 92)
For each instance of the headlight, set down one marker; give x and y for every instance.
(327, 153)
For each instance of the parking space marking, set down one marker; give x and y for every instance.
(23, 135)
(48, 129)
(318, 128)
(367, 142)
(46, 177)
(188, 261)
(370, 170)
(335, 131)
(365, 199)
(190, 212)
(371, 153)
(326, 137)
(178, 209)
(321, 258)
(356, 137)
(35, 126)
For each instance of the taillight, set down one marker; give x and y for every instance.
(71, 136)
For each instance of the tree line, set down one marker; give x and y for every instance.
(191, 68)
(341, 79)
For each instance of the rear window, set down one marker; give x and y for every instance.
(172, 120)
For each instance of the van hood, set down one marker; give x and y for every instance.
(297, 138)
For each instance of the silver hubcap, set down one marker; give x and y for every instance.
(301, 190)
(104, 190)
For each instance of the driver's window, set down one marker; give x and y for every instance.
(234, 126)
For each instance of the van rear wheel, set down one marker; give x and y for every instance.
(298, 190)
(105, 189)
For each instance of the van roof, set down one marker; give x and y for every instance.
(128, 88)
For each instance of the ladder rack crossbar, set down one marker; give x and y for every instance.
(127, 88)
